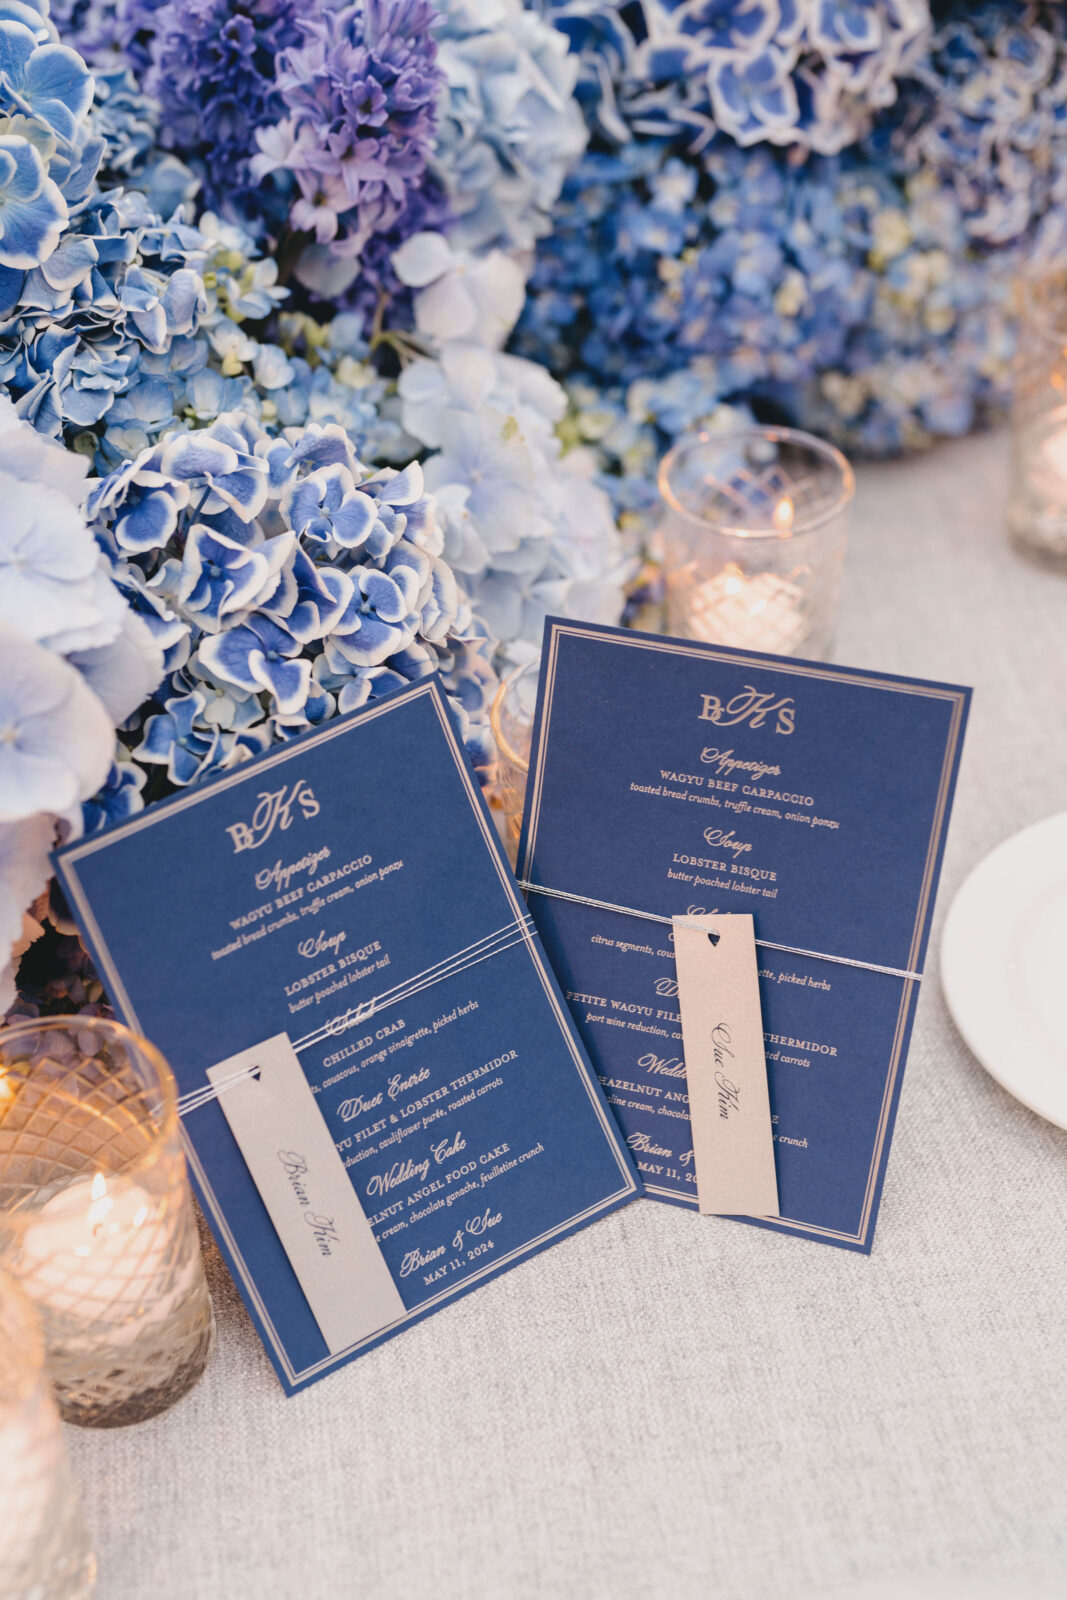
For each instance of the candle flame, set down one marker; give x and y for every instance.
(732, 581)
(7, 1090)
(783, 515)
(101, 1205)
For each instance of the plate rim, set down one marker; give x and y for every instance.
(1054, 1111)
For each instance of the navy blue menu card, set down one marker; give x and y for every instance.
(671, 777)
(385, 1101)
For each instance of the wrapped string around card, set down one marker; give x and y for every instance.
(764, 944)
(504, 938)
(723, 1049)
(298, 1169)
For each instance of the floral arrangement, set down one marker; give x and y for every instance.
(816, 208)
(74, 662)
(339, 341)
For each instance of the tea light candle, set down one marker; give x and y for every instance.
(96, 1254)
(763, 612)
(105, 1245)
(752, 538)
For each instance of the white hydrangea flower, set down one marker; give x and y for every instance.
(526, 526)
(56, 739)
(509, 126)
(24, 872)
(461, 295)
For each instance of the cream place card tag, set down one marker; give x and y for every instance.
(726, 1072)
(302, 1181)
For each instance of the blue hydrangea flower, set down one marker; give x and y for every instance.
(269, 607)
(258, 653)
(734, 28)
(175, 738)
(325, 506)
(381, 620)
(309, 599)
(754, 98)
(807, 73)
(48, 154)
(92, 27)
(982, 106)
(45, 81)
(119, 797)
(866, 295)
(220, 576)
(32, 209)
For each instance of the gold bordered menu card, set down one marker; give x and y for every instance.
(671, 778)
(385, 1102)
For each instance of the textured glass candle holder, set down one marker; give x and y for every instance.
(511, 717)
(1037, 503)
(44, 1551)
(753, 537)
(96, 1217)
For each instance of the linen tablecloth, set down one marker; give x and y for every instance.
(668, 1406)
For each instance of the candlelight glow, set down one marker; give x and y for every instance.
(732, 581)
(783, 515)
(102, 1204)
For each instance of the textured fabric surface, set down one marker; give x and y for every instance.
(666, 1407)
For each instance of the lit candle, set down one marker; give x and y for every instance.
(98, 1253)
(106, 1243)
(764, 612)
(753, 533)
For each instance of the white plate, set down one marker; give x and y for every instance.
(1004, 965)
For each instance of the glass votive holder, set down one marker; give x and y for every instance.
(511, 718)
(753, 538)
(1037, 496)
(44, 1550)
(96, 1217)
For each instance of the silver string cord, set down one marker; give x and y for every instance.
(765, 944)
(505, 938)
